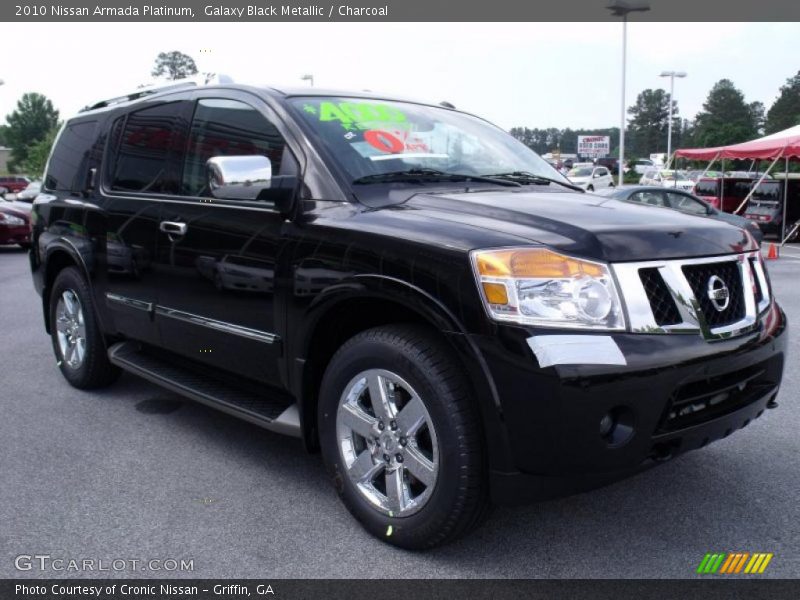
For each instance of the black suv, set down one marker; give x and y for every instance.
(404, 287)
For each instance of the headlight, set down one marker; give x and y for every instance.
(536, 286)
(11, 221)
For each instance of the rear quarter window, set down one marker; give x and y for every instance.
(70, 156)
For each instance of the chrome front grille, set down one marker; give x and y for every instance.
(718, 297)
(727, 273)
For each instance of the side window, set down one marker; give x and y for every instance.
(652, 198)
(228, 127)
(70, 153)
(686, 204)
(602, 172)
(148, 140)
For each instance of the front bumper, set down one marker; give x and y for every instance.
(676, 393)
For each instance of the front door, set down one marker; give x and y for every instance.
(217, 259)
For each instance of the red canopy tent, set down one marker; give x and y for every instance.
(781, 145)
(784, 144)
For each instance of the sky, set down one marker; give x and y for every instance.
(514, 74)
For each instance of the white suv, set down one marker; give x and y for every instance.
(591, 178)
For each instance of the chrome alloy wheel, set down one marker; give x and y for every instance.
(71, 329)
(387, 442)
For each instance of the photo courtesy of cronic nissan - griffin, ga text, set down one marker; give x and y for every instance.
(403, 286)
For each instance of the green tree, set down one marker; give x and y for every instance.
(648, 125)
(174, 65)
(785, 111)
(30, 123)
(726, 118)
(38, 154)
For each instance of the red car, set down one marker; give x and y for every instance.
(726, 193)
(15, 224)
(14, 183)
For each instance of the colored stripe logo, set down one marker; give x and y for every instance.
(734, 563)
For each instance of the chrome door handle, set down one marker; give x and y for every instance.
(173, 228)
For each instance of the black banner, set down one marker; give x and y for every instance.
(401, 10)
(391, 589)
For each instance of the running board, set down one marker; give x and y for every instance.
(278, 415)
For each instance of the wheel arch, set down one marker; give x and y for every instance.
(59, 256)
(373, 301)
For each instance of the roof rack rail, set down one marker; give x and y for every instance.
(146, 90)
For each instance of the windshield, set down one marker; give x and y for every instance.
(369, 138)
(580, 173)
(673, 175)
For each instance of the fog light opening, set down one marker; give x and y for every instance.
(616, 426)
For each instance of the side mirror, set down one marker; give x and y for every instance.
(238, 177)
(250, 178)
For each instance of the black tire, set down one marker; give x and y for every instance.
(95, 370)
(590, 188)
(25, 245)
(459, 499)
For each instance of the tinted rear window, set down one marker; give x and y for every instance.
(706, 188)
(70, 156)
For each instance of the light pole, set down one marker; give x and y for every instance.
(672, 75)
(309, 78)
(620, 8)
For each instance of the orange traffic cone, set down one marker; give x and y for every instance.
(773, 252)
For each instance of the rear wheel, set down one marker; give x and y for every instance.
(77, 340)
(590, 188)
(401, 438)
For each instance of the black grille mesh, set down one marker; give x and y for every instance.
(698, 277)
(662, 304)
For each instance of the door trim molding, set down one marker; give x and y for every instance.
(245, 332)
(173, 313)
(129, 302)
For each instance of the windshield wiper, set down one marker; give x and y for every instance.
(422, 174)
(526, 177)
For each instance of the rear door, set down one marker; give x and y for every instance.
(218, 259)
(142, 169)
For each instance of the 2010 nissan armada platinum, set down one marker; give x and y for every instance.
(405, 287)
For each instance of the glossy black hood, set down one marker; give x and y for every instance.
(585, 224)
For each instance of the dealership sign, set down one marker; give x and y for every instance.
(595, 146)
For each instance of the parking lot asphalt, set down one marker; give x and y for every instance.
(134, 472)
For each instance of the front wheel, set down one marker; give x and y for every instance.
(77, 339)
(590, 188)
(401, 438)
